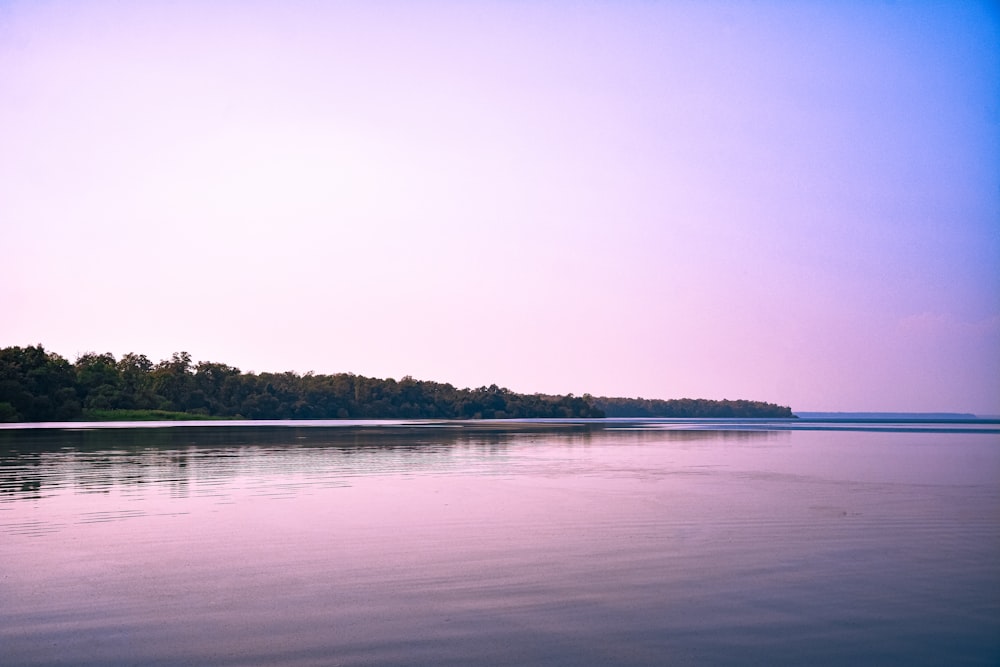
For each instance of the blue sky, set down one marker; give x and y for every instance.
(796, 202)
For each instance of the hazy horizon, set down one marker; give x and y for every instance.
(792, 202)
(797, 411)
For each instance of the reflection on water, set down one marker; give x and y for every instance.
(631, 543)
(34, 462)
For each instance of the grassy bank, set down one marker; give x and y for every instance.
(142, 416)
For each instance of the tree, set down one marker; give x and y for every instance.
(173, 381)
(215, 387)
(37, 385)
(136, 383)
(98, 381)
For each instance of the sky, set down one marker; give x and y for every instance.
(788, 201)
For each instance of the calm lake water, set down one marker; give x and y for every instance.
(610, 543)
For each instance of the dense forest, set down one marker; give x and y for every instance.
(37, 385)
(688, 407)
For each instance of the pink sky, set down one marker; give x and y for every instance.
(796, 202)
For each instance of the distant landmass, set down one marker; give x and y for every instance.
(39, 386)
(930, 416)
(690, 408)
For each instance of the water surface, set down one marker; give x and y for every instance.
(616, 542)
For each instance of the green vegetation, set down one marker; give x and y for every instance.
(36, 385)
(96, 415)
(689, 407)
(39, 386)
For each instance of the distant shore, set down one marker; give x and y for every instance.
(891, 415)
(40, 386)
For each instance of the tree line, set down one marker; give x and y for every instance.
(689, 408)
(37, 385)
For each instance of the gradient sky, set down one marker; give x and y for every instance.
(796, 201)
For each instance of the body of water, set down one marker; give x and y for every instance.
(611, 542)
